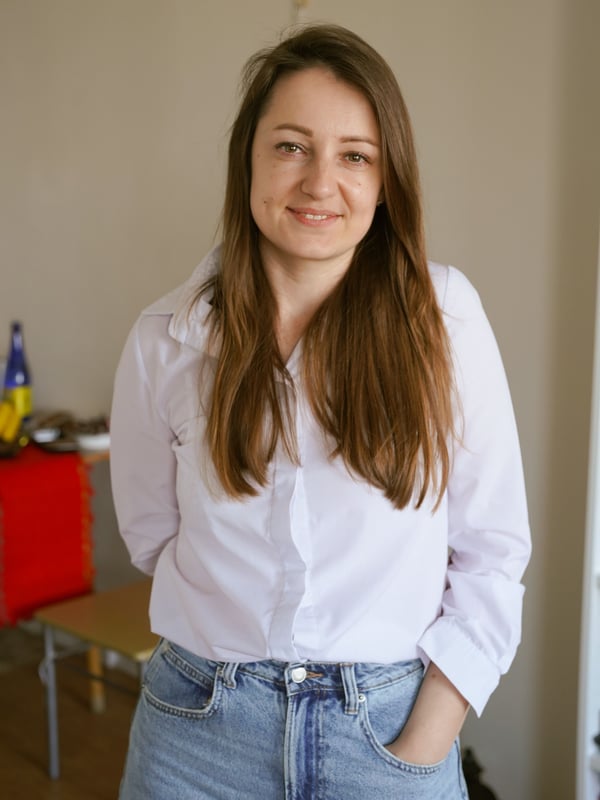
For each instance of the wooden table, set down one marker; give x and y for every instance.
(115, 620)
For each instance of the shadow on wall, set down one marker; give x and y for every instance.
(473, 770)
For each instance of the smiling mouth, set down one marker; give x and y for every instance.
(313, 216)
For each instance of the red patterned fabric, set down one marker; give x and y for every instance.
(45, 531)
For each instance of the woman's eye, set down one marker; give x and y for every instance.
(357, 158)
(289, 147)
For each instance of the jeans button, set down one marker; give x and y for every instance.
(298, 674)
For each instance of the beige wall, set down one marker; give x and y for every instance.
(112, 155)
(114, 121)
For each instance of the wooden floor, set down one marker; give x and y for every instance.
(92, 746)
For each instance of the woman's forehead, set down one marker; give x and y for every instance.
(317, 97)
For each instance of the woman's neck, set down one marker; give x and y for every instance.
(299, 288)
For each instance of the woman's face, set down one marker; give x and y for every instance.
(316, 170)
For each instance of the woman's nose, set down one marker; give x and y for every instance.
(318, 180)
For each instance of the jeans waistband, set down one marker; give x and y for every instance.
(351, 678)
(318, 675)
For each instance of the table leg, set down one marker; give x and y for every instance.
(94, 666)
(51, 704)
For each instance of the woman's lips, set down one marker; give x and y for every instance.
(314, 217)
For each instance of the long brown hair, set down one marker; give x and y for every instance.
(376, 364)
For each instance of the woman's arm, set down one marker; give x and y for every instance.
(434, 723)
(476, 634)
(142, 461)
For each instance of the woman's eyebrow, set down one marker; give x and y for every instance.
(290, 126)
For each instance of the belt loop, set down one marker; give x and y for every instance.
(228, 670)
(350, 688)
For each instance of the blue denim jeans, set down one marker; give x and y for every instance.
(273, 731)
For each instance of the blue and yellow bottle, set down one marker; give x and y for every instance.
(17, 379)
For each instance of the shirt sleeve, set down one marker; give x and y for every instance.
(475, 638)
(142, 461)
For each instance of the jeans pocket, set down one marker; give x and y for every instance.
(379, 746)
(383, 713)
(178, 687)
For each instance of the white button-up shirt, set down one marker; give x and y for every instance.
(319, 565)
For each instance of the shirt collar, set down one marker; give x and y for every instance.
(189, 313)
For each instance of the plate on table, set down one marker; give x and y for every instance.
(45, 435)
(93, 442)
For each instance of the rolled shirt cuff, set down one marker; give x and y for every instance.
(466, 666)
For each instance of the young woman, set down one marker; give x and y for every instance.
(314, 454)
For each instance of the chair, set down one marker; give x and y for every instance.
(114, 620)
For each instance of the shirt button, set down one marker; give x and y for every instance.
(298, 674)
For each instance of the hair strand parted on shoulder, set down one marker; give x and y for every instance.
(376, 362)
